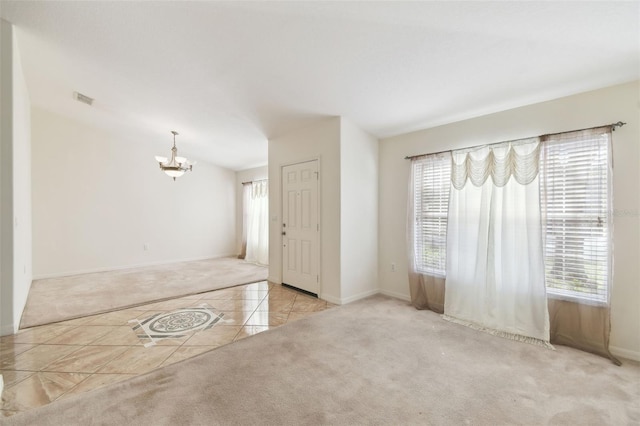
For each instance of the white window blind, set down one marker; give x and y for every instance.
(431, 180)
(575, 185)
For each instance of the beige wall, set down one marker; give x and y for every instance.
(15, 187)
(575, 112)
(248, 175)
(99, 197)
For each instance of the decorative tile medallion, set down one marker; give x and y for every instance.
(175, 324)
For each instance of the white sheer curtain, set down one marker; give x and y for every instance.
(258, 223)
(246, 199)
(495, 266)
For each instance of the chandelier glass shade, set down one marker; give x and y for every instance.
(176, 166)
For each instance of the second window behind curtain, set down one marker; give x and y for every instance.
(258, 223)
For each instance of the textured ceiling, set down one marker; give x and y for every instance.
(228, 76)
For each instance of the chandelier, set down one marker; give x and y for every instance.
(177, 165)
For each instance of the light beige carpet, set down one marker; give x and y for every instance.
(58, 299)
(377, 361)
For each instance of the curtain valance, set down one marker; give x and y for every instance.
(260, 189)
(519, 159)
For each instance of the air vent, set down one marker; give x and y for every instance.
(82, 98)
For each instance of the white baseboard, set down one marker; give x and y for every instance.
(119, 268)
(359, 296)
(625, 353)
(345, 300)
(8, 329)
(396, 295)
(331, 299)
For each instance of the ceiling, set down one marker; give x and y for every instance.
(230, 75)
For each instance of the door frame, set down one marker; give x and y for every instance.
(281, 215)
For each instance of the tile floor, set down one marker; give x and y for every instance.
(45, 363)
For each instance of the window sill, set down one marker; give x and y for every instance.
(432, 274)
(568, 297)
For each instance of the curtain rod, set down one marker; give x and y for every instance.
(613, 127)
(251, 181)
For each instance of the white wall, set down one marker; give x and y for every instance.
(99, 197)
(15, 187)
(574, 112)
(318, 141)
(358, 212)
(6, 179)
(22, 238)
(248, 175)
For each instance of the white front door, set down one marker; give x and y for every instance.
(300, 226)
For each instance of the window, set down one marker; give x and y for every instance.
(575, 200)
(431, 180)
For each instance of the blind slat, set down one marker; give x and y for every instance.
(574, 183)
(431, 177)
